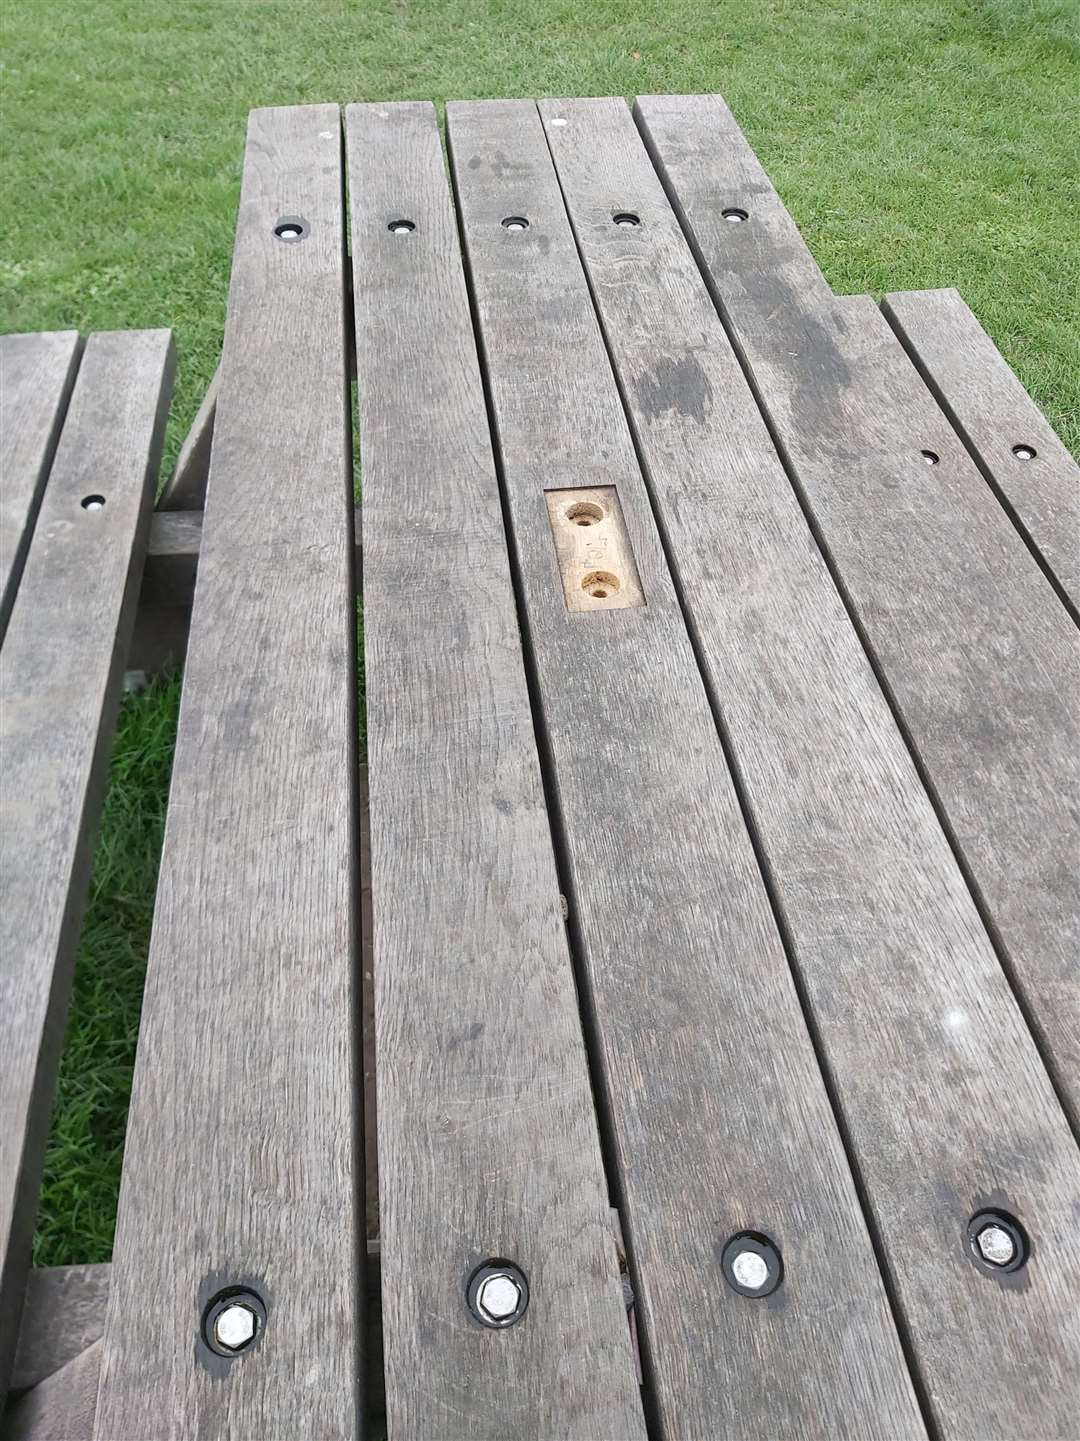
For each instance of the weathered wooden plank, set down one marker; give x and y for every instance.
(239, 1165)
(63, 1313)
(916, 1019)
(979, 657)
(59, 686)
(1008, 437)
(36, 376)
(719, 1117)
(488, 1145)
(60, 1408)
(185, 489)
(60, 673)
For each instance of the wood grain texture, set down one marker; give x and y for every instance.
(488, 1144)
(60, 673)
(36, 376)
(916, 1019)
(992, 412)
(185, 489)
(719, 1117)
(60, 1408)
(980, 659)
(63, 1314)
(240, 1161)
(763, 261)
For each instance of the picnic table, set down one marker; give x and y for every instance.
(674, 1029)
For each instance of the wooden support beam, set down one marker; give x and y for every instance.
(185, 489)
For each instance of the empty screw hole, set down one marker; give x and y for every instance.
(735, 216)
(600, 584)
(930, 456)
(584, 512)
(1024, 452)
(626, 218)
(291, 228)
(401, 227)
(93, 502)
(515, 222)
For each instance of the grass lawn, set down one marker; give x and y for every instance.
(918, 143)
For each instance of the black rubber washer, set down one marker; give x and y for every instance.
(759, 1245)
(497, 1268)
(221, 1302)
(292, 222)
(1009, 1224)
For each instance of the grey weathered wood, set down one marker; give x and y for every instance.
(239, 1165)
(36, 376)
(980, 659)
(763, 262)
(60, 673)
(992, 413)
(185, 489)
(488, 1144)
(719, 1117)
(63, 1313)
(60, 1408)
(917, 1022)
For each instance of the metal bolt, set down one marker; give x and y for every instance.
(401, 227)
(735, 217)
(515, 222)
(498, 1294)
(750, 1270)
(930, 456)
(1024, 452)
(235, 1327)
(996, 1245)
(93, 502)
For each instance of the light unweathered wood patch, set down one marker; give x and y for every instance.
(596, 559)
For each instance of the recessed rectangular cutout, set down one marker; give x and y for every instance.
(596, 560)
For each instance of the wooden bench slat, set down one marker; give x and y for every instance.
(186, 487)
(63, 1313)
(36, 376)
(60, 673)
(719, 1116)
(488, 1143)
(993, 413)
(239, 1166)
(979, 657)
(60, 1408)
(915, 1016)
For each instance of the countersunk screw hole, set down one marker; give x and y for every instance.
(626, 218)
(515, 222)
(1024, 452)
(600, 584)
(401, 227)
(291, 228)
(585, 512)
(930, 456)
(736, 217)
(752, 1264)
(92, 502)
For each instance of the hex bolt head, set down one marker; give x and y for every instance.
(498, 1294)
(235, 1327)
(998, 1242)
(752, 1264)
(233, 1321)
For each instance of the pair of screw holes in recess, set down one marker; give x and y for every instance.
(600, 584)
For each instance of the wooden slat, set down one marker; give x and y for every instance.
(60, 673)
(36, 376)
(60, 1408)
(488, 1143)
(763, 262)
(185, 489)
(917, 1021)
(719, 1116)
(63, 1313)
(993, 413)
(239, 1166)
(979, 657)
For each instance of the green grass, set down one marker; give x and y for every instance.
(917, 142)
